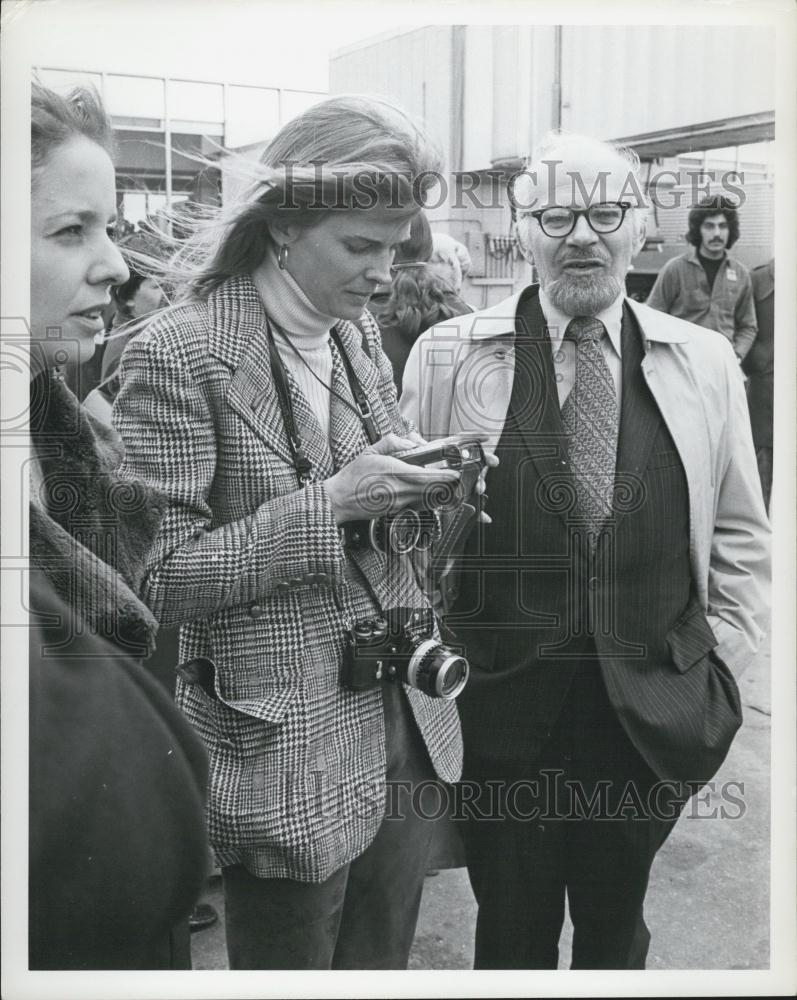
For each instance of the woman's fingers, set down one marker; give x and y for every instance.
(376, 483)
(390, 444)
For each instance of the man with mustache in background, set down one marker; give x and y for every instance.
(705, 285)
(621, 587)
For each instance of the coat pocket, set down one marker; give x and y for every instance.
(268, 704)
(690, 639)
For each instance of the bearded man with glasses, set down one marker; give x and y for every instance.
(621, 588)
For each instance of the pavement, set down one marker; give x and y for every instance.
(707, 905)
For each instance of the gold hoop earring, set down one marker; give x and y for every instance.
(282, 256)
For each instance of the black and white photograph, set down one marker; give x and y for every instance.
(398, 499)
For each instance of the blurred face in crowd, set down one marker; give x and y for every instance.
(74, 260)
(340, 261)
(714, 236)
(146, 299)
(582, 272)
(448, 267)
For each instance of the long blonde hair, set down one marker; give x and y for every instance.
(346, 153)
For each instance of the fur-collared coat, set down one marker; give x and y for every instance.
(117, 778)
(90, 531)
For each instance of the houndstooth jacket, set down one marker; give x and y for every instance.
(251, 565)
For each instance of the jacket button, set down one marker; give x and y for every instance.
(225, 745)
(256, 611)
(322, 578)
(297, 581)
(282, 587)
(593, 583)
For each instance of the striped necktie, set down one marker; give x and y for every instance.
(590, 421)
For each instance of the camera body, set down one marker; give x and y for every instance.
(418, 527)
(402, 647)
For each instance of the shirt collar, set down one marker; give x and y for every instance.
(693, 256)
(611, 317)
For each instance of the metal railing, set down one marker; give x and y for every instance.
(500, 256)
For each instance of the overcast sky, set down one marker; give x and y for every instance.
(282, 43)
(241, 41)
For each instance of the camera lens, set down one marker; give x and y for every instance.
(376, 534)
(437, 670)
(429, 531)
(404, 530)
(380, 629)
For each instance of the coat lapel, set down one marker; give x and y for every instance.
(534, 409)
(314, 443)
(640, 419)
(366, 371)
(346, 433)
(238, 338)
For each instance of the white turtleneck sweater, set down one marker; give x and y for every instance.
(308, 330)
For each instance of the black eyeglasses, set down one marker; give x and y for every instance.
(606, 217)
(395, 268)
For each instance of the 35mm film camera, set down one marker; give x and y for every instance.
(402, 647)
(419, 527)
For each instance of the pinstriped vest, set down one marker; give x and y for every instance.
(534, 606)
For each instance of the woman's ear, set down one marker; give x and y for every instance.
(283, 233)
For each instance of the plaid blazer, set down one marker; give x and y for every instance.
(252, 568)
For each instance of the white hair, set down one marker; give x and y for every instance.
(558, 139)
(561, 142)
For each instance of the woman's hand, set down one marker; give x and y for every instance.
(376, 483)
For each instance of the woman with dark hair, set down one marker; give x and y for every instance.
(116, 777)
(270, 421)
(416, 299)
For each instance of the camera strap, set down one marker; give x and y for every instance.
(366, 414)
(363, 410)
(303, 465)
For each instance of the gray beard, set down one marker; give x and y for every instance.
(584, 296)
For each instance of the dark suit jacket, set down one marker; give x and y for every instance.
(656, 606)
(759, 364)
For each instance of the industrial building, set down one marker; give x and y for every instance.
(687, 100)
(170, 133)
(693, 103)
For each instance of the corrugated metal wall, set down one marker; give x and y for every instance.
(756, 221)
(412, 69)
(623, 80)
(616, 80)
